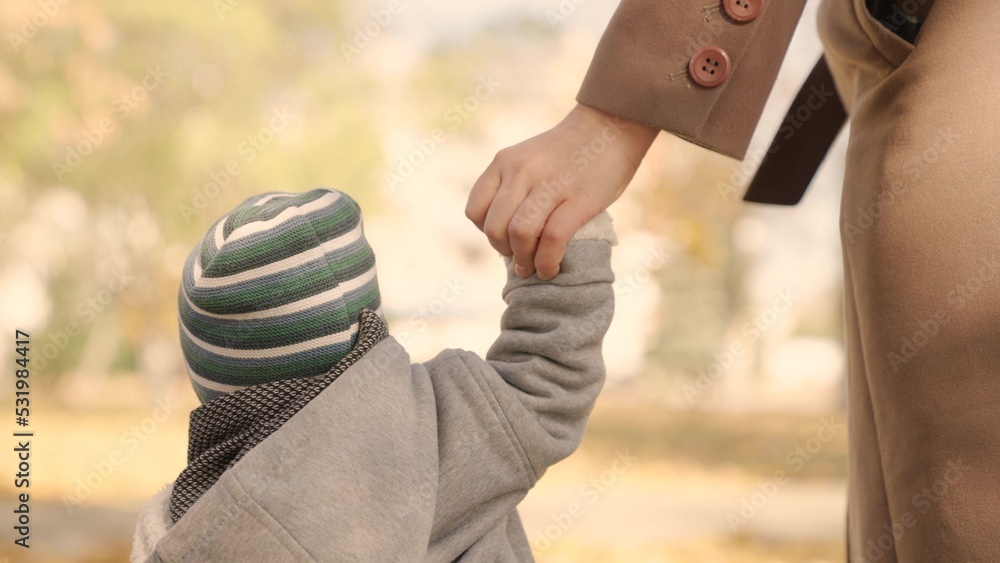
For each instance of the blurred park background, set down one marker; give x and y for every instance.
(126, 128)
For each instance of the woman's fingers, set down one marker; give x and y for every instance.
(508, 197)
(562, 224)
(526, 227)
(482, 194)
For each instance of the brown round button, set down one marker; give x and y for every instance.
(743, 10)
(709, 67)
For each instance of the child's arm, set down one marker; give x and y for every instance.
(548, 355)
(503, 421)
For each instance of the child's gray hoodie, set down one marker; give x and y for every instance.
(416, 462)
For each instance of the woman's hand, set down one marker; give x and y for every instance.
(534, 196)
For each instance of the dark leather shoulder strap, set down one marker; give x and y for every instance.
(809, 128)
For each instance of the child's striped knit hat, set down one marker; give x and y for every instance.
(274, 291)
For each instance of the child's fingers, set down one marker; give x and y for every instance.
(562, 224)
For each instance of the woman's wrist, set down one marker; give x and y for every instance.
(634, 138)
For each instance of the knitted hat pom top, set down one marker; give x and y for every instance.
(274, 291)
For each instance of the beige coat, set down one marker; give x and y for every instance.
(920, 225)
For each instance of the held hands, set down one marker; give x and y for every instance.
(534, 196)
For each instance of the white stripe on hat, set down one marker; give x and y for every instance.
(208, 383)
(293, 261)
(329, 198)
(262, 353)
(295, 306)
(219, 231)
(269, 197)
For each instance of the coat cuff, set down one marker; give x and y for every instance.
(639, 70)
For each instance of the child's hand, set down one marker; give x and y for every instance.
(535, 195)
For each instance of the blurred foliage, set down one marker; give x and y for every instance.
(127, 112)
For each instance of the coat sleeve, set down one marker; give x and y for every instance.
(503, 420)
(639, 70)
